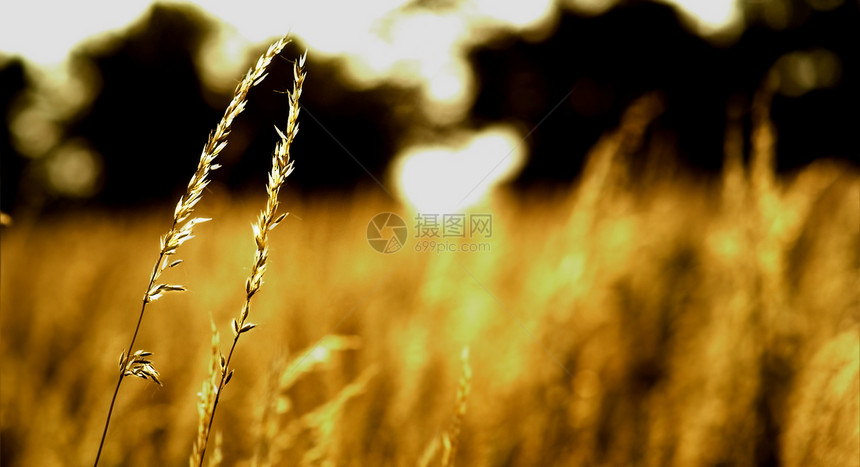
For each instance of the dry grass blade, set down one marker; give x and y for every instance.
(268, 219)
(319, 425)
(217, 454)
(451, 438)
(314, 356)
(207, 399)
(183, 224)
(429, 452)
(273, 440)
(322, 421)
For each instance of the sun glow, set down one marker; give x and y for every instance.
(377, 42)
(445, 179)
(711, 17)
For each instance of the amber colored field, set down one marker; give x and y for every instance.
(634, 320)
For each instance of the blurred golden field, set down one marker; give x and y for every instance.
(638, 319)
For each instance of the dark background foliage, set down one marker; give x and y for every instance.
(152, 114)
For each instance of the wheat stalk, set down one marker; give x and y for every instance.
(137, 363)
(282, 167)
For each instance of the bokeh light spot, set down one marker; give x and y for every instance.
(447, 179)
(74, 170)
(802, 71)
(711, 17)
